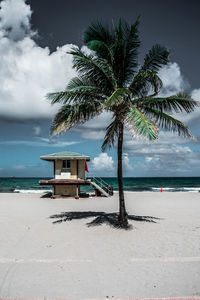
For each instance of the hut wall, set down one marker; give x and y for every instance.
(73, 169)
(81, 169)
(73, 175)
(58, 164)
(65, 190)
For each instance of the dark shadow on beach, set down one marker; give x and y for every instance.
(47, 195)
(100, 218)
(81, 195)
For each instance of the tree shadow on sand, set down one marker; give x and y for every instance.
(100, 218)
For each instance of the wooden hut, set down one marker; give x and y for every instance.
(69, 173)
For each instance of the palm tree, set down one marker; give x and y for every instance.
(110, 79)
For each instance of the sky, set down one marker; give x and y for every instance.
(35, 37)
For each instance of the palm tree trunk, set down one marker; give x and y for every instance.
(122, 209)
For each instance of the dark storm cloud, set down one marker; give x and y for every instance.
(174, 23)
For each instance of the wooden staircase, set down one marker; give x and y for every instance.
(100, 185)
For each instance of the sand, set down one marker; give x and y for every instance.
(70, 260)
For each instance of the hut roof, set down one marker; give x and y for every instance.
(64, 155)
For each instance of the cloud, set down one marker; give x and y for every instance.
(194, 116)
(162, 150)
(15, 18)
(126, 163)
(164, 144)
(104, 165)
(173, 83)
(19, 167)
(37, 130)
(173, 80)
(103, 162)
(40, 142)
(27, 71)
(170, 155)
(95, 128)
(184, 162)
(93, 134)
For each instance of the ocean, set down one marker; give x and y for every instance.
(153, 184)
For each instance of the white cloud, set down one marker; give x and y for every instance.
(40, 142)
(103, 162)
(166, 143)
(168, 156)
(194, 116)
(95, 129)
(15, 19)
(196, 94)
(173, 80)
(126, 163)
(86, 50)
(173, 83)
(28, 72)
(19, 167)
(37, 130)
(184, 162)
(92, 134)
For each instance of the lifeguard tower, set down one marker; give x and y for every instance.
(69, 175)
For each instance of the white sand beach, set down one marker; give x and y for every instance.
(70, 260)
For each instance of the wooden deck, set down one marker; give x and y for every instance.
(65, 182)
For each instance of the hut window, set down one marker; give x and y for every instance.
(66, 164)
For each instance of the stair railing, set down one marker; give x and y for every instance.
(102, 183)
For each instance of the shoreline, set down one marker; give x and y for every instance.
(131, 184)
(38, 192)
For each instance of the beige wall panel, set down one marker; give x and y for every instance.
(73, 169)
(81, 169)
(65, 190)
(58, 164)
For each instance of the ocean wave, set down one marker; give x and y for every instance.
(6, 189)
(31, 191)
(178, 189)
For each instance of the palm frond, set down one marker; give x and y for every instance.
(98, 31)
(140, 124)
(177, 103)
(157, 57)
(99, 38)
(132, 43)
(111, 135)
(102, 50)
(79, 81)
(97, 70)
(167, 122)
(57, 97)
(117, 96)
(71, 115)
(78, 89)
(125, 51)
(144, 83)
